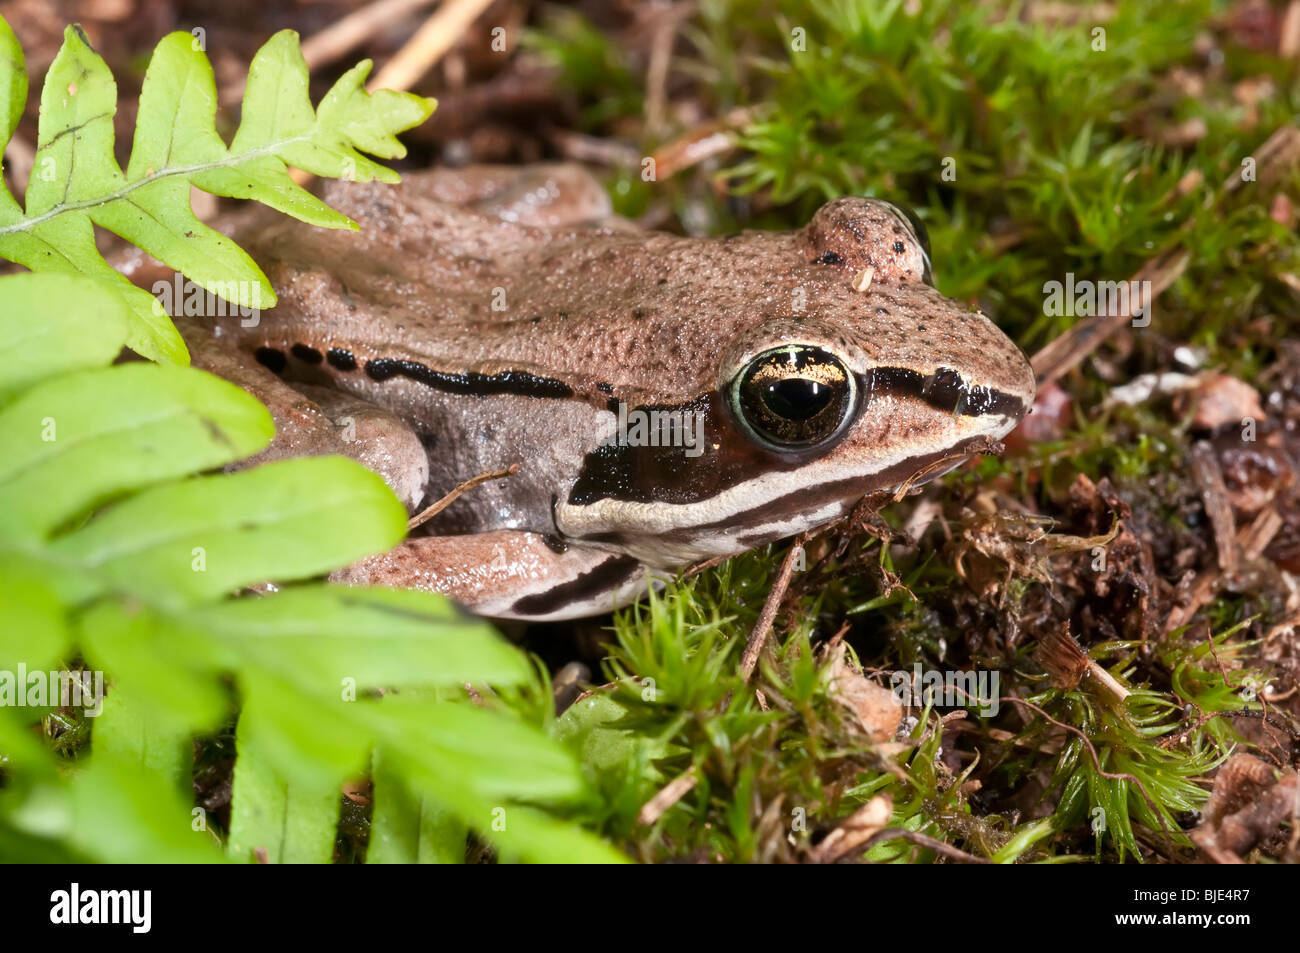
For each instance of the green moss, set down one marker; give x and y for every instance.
(1030, 153)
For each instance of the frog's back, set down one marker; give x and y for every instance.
(448, 272)
(473, 272)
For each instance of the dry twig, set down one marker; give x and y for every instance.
(429, 512)
(341, 37)
(668, 795)
(763, 628)
(1279, 151)
(429, 44)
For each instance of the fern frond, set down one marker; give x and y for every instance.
(77, 184)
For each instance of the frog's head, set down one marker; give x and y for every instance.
(882, 369)
(877, 382)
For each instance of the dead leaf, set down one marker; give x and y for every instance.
(1246, 808)
(875, 707)
(855, 830)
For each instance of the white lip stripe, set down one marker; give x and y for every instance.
(670, 554)
(633, 518)
(605, 600)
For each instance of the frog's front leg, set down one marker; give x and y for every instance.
(508, 574)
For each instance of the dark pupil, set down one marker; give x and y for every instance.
(797, 398)
(794, 397)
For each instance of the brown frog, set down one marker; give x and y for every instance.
(666, 399)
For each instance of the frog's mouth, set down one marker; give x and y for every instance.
(778, 502)
(642, 535)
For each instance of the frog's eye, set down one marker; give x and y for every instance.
(794, 397)
(917, 228)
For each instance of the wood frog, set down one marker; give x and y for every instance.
(667, 399)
